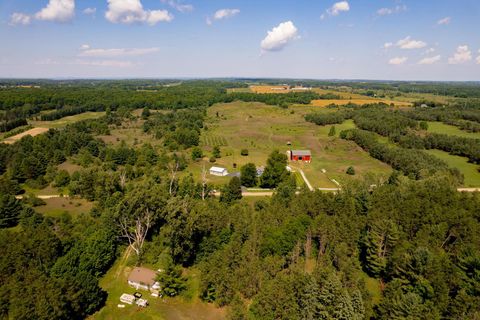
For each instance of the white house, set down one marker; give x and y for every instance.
(218, 171)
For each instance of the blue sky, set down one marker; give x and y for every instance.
(354, 39)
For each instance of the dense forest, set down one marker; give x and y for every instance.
(404, 246)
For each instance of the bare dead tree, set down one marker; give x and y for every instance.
(308, 245)
(135, 231)
(123, 179)
(173, 174)
(204, 182)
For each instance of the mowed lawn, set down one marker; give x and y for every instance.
(439, 127)
(262, 129)
(469, 170)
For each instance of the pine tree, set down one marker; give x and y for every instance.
(332, 131)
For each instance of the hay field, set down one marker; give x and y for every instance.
(32, 132)
(359, 101)
(261, 129)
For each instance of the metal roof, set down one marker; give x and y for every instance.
(217, 169)
(301, 153)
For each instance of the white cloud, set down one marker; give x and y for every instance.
(279, 37)
(430, 60)
(222, 14)
(57, 10)
(105, 63)
(409, 43)
(387, 45)
(444, 21)
(179, 6)
(388, 11)
(336, 9)
(90, 11)
(18, 18)
(478, 58)
(429, 50)
(462, 55)
(397, 60)
(130, 11)
(87, 51)
(225, 13)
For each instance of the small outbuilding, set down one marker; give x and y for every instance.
(299, 155)
(143, 278)
(218, 171)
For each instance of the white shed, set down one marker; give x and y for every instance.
(218, 171)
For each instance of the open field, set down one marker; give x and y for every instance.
(469, 170)
(439, 127)
(32, 132)
(67, 120)
(59, 205)
(359, 101)
(262, 129)
(115, 283)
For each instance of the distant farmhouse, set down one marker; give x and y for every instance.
(218, 171)
(299, 155)
(143, 278)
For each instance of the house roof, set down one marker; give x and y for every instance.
(143, 276)
(217, 169)
(301, 153)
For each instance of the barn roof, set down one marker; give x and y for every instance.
(217, 169)
(142, 275)
(301, 153)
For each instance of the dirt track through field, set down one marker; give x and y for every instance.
(32, 132)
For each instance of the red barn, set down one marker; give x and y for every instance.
(299, 155)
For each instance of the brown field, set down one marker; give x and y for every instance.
(32, 132)
(269, 89)
(326, 102)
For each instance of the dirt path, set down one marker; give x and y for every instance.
(305, 179)
(468, 189)
(50, 196)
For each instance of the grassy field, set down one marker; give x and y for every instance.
(469, 170)
(439, 127)
(261, 129)
(58, 206)
(67, 120)
(180, 308)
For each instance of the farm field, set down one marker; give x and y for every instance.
(469, 170)
(261, 129)
(32, 132)
(439, 127)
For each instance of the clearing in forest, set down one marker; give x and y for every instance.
(32, 132)
(260, 129)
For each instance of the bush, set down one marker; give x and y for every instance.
(351, 171)
(244, 152)
(197, 153)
